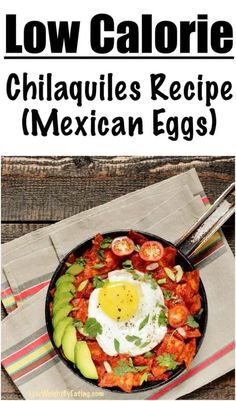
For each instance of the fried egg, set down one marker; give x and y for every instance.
(128, 308)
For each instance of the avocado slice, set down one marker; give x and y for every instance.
(65, 278)
(62, 298)
(68, 342)
(64, 287)
(58, 306)
(75, 269)
(63, 312)
(60, 329)
(83, 360)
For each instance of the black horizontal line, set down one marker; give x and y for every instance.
(29, 222)
(119, 57)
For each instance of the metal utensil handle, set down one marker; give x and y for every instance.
(209, 222)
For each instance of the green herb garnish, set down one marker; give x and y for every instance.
(167, 294)
(199, 314)
(137, 247)
(106, 243)
(145, 344)
(98, 266)
(123, 368)
(81, 261)
(167, 360)
(98, 282)
(162, 319)
(144, 322)
(135, 339)
(92, 327)
(144, 378)
(117, 345)
(148, 277)
(148, 354)
(101, 255)
(77, 323)
(127, 264)
(191, 322)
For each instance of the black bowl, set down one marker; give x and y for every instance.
(180, 259)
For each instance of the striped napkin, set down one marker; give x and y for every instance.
(168, 209)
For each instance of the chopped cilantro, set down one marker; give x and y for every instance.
(199, 314)
(144, 378)
(148, 277)
(154, 317)
(144, 322)
(145, 344)
(117, 345)
(98, 266)
(98, 282)
(101, 255)
(167, 360)
(148, 354)
(127, 264)
(137, 247)
(167, 294)
(106, 243)
(162, 319)
(123, 368)
(92, 327)
(191, 322)
(81, 261)
(135, 339)
(161, 281)
(77, 323)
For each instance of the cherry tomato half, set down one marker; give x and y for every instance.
(178, 315)
(151, 251)
(122, 246)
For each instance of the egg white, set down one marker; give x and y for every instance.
(149, 304)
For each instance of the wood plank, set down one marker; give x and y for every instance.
(16, 230)
(50, 189)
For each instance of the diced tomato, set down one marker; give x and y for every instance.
(151, 251)
(71, 258)
(52, 291)
(138, 238)
(142, 361)
(170, 345)
(158, 371)
(168, 258)
(100, 370)
(191, 333)
(137, 262)
(185, 292)
(122, 246)
(178, 315)
(193, 279)
(111, 260)
(196, 304)
(50, 308)
(82, 312)
(164, 376)
(188, 353)
(97, 241)
(97, 353)
(88, 290)
(125, 382)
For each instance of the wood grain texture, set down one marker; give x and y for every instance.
(37, 191)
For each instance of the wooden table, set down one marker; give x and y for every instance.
(38, 191)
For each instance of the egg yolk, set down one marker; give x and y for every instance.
(119, 300)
